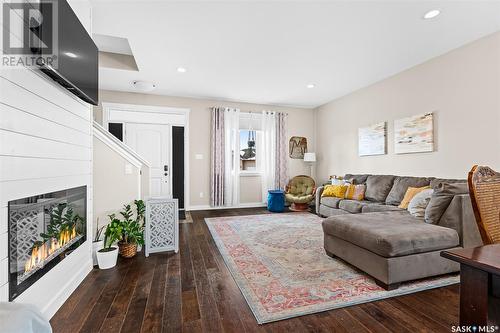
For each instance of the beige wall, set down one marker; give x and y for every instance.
(145, 182)
(462, 88)
(300, 123)
(112, 187)
(250, 189)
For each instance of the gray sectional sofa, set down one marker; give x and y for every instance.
(387, 242)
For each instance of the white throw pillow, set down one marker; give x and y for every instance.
(336, 181)
(417, 205)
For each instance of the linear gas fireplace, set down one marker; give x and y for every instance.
(43, 230)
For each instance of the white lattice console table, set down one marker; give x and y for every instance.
(162, 225)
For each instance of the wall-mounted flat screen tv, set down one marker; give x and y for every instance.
(77, 54)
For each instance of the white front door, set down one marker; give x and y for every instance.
(152, 142)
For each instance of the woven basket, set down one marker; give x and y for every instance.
(127, 250)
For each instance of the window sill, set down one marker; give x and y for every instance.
(250, 174)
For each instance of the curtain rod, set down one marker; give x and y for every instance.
(268, 112)
(257, 112)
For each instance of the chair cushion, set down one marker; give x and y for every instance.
(331, 201)
(378, 187)
(390, 234)
(299, 198)
(376, 207)
(301, 185)
(400, 187)
(353, 206)
(329, 211)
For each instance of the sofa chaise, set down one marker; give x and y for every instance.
(387, 242)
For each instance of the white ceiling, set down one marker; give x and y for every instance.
(267, 52)
(112, 44)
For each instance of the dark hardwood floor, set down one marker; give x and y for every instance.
(193, 291)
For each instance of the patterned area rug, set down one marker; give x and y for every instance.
(280, 266)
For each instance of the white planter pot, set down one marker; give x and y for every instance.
(107, 259)
(96, 246)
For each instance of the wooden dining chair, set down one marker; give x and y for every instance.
(484, 189)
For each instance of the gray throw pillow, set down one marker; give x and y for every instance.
(441, 198)
(378, 187)
(400, 187)
(419, 203)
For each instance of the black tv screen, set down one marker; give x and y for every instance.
(77, 55)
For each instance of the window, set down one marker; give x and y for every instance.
(117, 130)
(248, 149)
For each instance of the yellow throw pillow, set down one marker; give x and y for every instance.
(334, 191)
(355, 192)
(410, 193)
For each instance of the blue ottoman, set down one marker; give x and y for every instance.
(276, 201)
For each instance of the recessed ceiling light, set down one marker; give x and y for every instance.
(143, 86)
(71, 54)
(432, 14)
(310, 86)
(181, 69)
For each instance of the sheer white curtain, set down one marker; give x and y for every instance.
(232, 157)
(266, 152)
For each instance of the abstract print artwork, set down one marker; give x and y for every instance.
(414, 134)
(297, 147)
(372, 139)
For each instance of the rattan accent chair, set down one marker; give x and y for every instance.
(300, 192)
(484, 188)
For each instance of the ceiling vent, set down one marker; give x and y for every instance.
(143, 86)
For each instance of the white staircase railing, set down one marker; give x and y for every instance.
(118, 146)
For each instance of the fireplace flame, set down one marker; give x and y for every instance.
(42, 252)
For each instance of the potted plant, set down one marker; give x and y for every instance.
(141, 211)
(106, 257)
(132, 229)
(98, 242)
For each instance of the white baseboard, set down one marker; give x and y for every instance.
(51, 308)
(242, 205)
(252, 205)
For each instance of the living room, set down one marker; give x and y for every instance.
(302, 166)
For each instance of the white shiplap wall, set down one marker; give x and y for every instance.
(45, 146)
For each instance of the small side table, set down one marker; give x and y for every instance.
(276, 201)
(479, 284)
